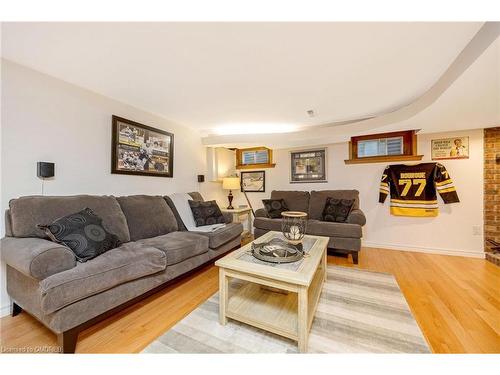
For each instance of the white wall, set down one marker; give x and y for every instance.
(449, 233)
(45, 119)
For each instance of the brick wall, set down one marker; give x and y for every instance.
(491, 185)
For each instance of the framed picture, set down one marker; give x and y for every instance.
(450, 148)
(308, 166)
(253, 182)
(139, 149)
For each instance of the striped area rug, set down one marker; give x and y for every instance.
(359, 312)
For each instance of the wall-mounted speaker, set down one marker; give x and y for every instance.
(45, 169)
(201, 178)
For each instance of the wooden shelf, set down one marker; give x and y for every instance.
(251, 303)
(255, 166)
(384, 159)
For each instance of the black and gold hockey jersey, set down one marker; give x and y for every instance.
(413, 188)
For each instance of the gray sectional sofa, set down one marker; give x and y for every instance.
(344, 237)
(45, 279)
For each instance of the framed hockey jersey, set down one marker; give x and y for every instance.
(413, 188)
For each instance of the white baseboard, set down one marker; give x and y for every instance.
(462, 253)
(5, 310)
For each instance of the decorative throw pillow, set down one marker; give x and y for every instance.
(83, 233)
(337, 210)
(206, 213)
(275, 207)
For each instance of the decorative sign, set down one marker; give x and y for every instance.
(450, 148)
(308, 166)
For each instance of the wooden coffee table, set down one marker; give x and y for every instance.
(277, 298)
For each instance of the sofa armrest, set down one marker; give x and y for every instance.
(36, 257)
(261, 212)
(228, 217)
(356, 217)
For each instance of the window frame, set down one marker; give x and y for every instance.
(239, 158)
(409, 148)
(378, 140)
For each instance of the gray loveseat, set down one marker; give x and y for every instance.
(45, 279)
(344, 237)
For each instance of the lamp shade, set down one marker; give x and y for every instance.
(231, 183)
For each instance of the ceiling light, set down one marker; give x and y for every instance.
(255, 128)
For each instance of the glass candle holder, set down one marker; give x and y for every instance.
(293, 226)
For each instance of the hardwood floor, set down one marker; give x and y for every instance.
(455, 300)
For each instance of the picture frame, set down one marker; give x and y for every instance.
(308, 166)
(253, 181)
(138, 149)
(450, 148)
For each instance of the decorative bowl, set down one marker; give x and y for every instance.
(277, 251)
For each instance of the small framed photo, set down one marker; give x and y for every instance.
(253, 182)
(450, 148)
(139, 149)
(308, 166)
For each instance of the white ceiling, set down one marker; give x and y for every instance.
(472, 101)
(209, 75)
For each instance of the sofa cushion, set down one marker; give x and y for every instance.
(337, 210)
(147, 216)
(27, 212)
(223, 235)
(128, 262)
(178, 245)
(318, 200)
(295, 200)
(329, 229)
(275, 207)
(206, 213)
(267, 223)
(83, 233)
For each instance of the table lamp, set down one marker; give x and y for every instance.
(230, 183)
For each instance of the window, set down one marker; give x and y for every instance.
(255, 157)
(374, 148)
(380, 147)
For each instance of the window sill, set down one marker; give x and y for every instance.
(255, 166)
(384, 159)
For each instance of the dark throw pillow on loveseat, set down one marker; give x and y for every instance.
(206, 213)
(337, 210)
(83, 233)
(275, 207)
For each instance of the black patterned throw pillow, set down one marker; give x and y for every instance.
(337, 210)
(206, 213)
(275, 207)
(83, 233)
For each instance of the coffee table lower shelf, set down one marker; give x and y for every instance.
(272, 311)
(288, 314)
